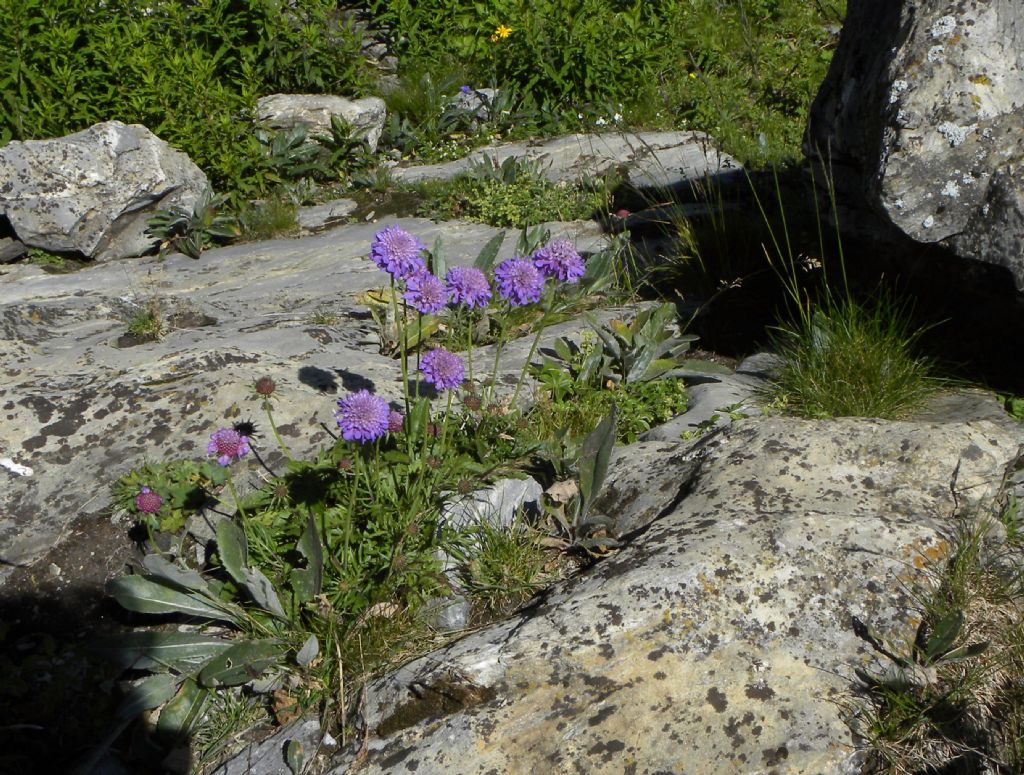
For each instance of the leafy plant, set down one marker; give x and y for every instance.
(184, 485)
(193, 232)
(581, 530)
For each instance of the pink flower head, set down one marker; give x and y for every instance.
(148, 502)
(468, 285)
(227, 445)
(426, 293)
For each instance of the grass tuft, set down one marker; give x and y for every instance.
(852, 359)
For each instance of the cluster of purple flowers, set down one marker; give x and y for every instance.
(442, 369)
(519, 280)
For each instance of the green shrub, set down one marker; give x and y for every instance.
(190, 72)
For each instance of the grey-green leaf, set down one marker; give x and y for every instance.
(308, 651)
(160, 566)
(142, 650)
(233, 549)
(179, 716)
(294, 756)
(263, 593)
(148, 596)
(489, 252)
(597, 450)
(150, 692)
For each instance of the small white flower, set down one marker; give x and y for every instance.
(600, 122)
(617, 118)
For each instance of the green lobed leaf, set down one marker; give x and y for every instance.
(485, 258)
(308, 582)
(243, 662)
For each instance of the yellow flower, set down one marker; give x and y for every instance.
(501, 32)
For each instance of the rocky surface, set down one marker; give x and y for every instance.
(314, 112)
(920, 123)
(92, 192)
(82, 403)
(719, 639)
(648, 160)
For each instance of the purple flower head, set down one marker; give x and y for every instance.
(362, 416)
(442, 369)
(465, 89)
(228, 444)
(148, 502)
(560, 260)
(468, 285)
(426, 293)
(396, 422)
(396, 251)
(519, 281)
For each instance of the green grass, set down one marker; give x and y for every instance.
(852, 359)
(270, 218)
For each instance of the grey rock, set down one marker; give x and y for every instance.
(498, 504)
(719, 639)
(920, 122)
(92, 192)
(11, 250)
(314, 111)
(323, 216)
(267, 757)
(652, 160)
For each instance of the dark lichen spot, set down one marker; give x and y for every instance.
(759, 691)
(657, 653)
(601, 715)
(716, 700)
(774, 756)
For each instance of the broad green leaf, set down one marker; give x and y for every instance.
(148, 596)
(233, 549)
(161, 567)
(150, 692)
(960, 653)
(308, 651)
(294, 756)
(142, 650)
(943, 636)
(178, 717)
(244, 661)
(610, 343)
(439, 260)
(594, 457)
(485, 258)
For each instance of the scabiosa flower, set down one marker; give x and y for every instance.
(396, 422)
(396, 251)
(148, 502)
(362, 416)
(519, 281)
(468, 285)
(426, 293)
(228, 444)
(442, 369)
(560, 260)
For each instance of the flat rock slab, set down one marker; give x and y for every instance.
(719, 640)
(650, 160)
(79, 407)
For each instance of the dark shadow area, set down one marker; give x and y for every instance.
(58, 696)
(353, 382)
(712, 241)
(318, 379)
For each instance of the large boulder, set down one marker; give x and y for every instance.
(92, 192)
(720, 638)
(314, 112)
(920, 122)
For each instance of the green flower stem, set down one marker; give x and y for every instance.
(403, 352)
(526, 365)
(277, 435)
